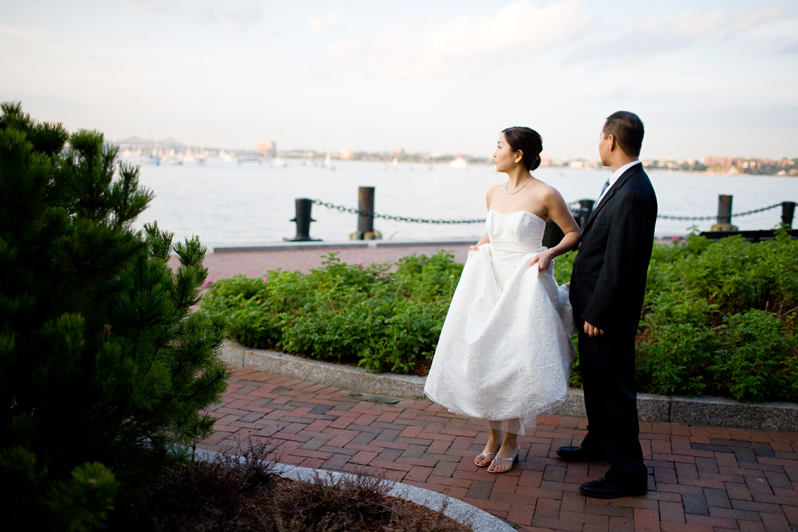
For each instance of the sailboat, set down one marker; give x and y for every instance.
(458, 162)
(328, 161)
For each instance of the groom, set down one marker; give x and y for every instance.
(606, 292)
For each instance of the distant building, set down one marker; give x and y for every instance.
(346, 154)
(745, 164)
(545, 160)
(267, 148)
(719, 161)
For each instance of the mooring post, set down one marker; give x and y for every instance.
(553, 235)
(365, 218)
(365, 204)
(585, 210)
(302, 219)
(787, 213)
(724, 209)
(724, 215)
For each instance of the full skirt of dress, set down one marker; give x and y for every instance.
(505, 351)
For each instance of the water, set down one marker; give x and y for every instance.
(227, 203)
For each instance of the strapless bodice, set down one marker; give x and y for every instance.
(520, 231)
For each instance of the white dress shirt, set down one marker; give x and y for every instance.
(614, 177)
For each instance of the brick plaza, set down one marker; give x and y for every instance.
(701, 479)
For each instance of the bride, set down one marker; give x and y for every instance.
(505, 350)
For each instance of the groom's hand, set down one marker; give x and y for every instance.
(592, 330)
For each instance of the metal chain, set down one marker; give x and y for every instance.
(700, 218)
(575, 212)
(350, 210)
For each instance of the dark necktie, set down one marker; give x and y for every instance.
(607, 184)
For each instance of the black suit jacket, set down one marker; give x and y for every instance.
(609, 276)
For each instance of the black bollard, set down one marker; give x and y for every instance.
(303, 219)
(724, 209)
(724, 215)
(552, 235)
(787, 213)
(365, 218)
(585, 210)
(365, 204)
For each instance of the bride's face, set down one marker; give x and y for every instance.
(504, 158)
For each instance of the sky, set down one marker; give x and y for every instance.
(715, 77)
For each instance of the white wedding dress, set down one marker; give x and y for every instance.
(505, 351)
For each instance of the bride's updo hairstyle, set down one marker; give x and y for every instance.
(528, 141)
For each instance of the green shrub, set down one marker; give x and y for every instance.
(720, 319)
(103, 369)
(381, 320)
(753, 361)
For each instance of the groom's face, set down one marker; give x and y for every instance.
(604, 148)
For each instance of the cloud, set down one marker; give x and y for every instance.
(22, 33)
(319, 24)
(341, 49)
(149, 6)
(236, 15)
(518, 30)
(789, 48)
(658, 35)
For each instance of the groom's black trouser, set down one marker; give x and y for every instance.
(608, 375)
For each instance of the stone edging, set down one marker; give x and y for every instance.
(460, 511)
(712, 411)
(305, 246)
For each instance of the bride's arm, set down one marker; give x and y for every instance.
(484, 240)
(558, 211)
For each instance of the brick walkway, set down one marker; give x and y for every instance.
(255, 263)
(700, 478)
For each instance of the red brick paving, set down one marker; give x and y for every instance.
(701, 479)
(256, 263)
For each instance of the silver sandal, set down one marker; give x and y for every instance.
(484, 454)
(497, 461)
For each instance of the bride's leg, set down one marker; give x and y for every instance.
(508, 449)
(494, 441)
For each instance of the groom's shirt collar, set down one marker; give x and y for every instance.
(614, 177)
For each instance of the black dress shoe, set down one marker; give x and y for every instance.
(578, 454)
(608, 489)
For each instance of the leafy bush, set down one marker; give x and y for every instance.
(719, 317)
(379, 319)
(102, 368)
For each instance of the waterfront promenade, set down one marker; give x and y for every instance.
(701, 479)
(256, 263)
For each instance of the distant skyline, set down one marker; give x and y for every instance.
(707, 77)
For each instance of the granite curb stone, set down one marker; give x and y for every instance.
(305, 246)
(713, 411)
(460, 511)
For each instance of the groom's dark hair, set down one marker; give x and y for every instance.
(627, 129)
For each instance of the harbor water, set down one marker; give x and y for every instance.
(227, 203)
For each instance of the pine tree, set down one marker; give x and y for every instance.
(103, 368)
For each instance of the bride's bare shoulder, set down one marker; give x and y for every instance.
(548, 192)
(492, 190)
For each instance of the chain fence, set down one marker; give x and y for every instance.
(351, 210)
(575, 211)
(702, 218)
